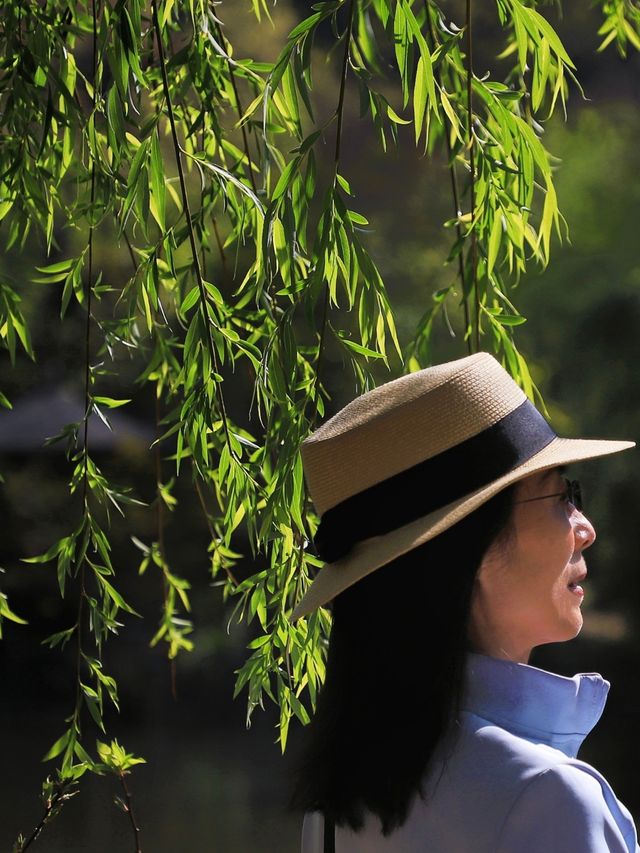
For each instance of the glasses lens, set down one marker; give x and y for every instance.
(575, 494)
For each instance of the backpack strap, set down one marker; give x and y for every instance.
(329, 836)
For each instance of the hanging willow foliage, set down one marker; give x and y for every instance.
(140, 120)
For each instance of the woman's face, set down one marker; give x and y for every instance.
(528, 588)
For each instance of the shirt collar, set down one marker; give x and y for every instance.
(540, 706)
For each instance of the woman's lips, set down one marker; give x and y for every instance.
(575, 586)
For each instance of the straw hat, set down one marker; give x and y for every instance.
(404, 462)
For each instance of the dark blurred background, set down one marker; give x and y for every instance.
(209, 784)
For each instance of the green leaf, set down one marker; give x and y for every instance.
(59, 746)
(7, 613)
(549, 33)
(60, 266)
(305, 25)
(510, 319)
(393, 115)
(60, 638)
(157, 180)
(166, 12)
(110, 402)
(291, 98)
(285, 179)
(360, 349)
(450, 113)
(115, 117)
(190, 299)
(419, 99)
(494, 241)
(357, 218)
(114, 595)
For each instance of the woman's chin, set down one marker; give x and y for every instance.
(575, 625)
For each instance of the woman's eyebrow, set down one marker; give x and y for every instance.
(559, 469)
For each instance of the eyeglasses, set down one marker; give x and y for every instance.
(572, 493)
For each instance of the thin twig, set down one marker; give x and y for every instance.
(454, 191)
(212, 532)
(202, 198)
(87, 349)
(36, 832)
(266, 296)
(223, 257)
(131, 252)
(87, 387)
(89, 288)
(129, 810)
(61, 796)
(343, 86)
(192, 240)
(336, 164)
(474, 259)
(323, 326)
(160, 531)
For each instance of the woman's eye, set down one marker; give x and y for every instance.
(568, 495)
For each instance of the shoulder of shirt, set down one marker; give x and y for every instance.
(574, 793)
(518, 764)
(517, 756)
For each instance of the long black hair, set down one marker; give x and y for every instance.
(394, 676)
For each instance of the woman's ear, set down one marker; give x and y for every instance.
(492, 561)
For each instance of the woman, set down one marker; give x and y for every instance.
(454, 546)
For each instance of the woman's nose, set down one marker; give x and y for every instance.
(583, 530)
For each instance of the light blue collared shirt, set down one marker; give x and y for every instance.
(512, 782)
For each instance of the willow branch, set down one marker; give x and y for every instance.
(474, 248)
(268, 296)
(185, 111)
(336, 164)
(192, 240)
(234, 86)
(454, 188)
(343, 87)
(87, 349)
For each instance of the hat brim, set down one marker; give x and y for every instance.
(370, 554)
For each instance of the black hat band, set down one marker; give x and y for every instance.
(434, 483)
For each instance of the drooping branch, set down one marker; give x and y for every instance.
(472, 183)
(336, 166)
(190, 229)
(87, 381)
(210, 529)
(454, 190)
(343, 87)
(89, 287)
(234, 86)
